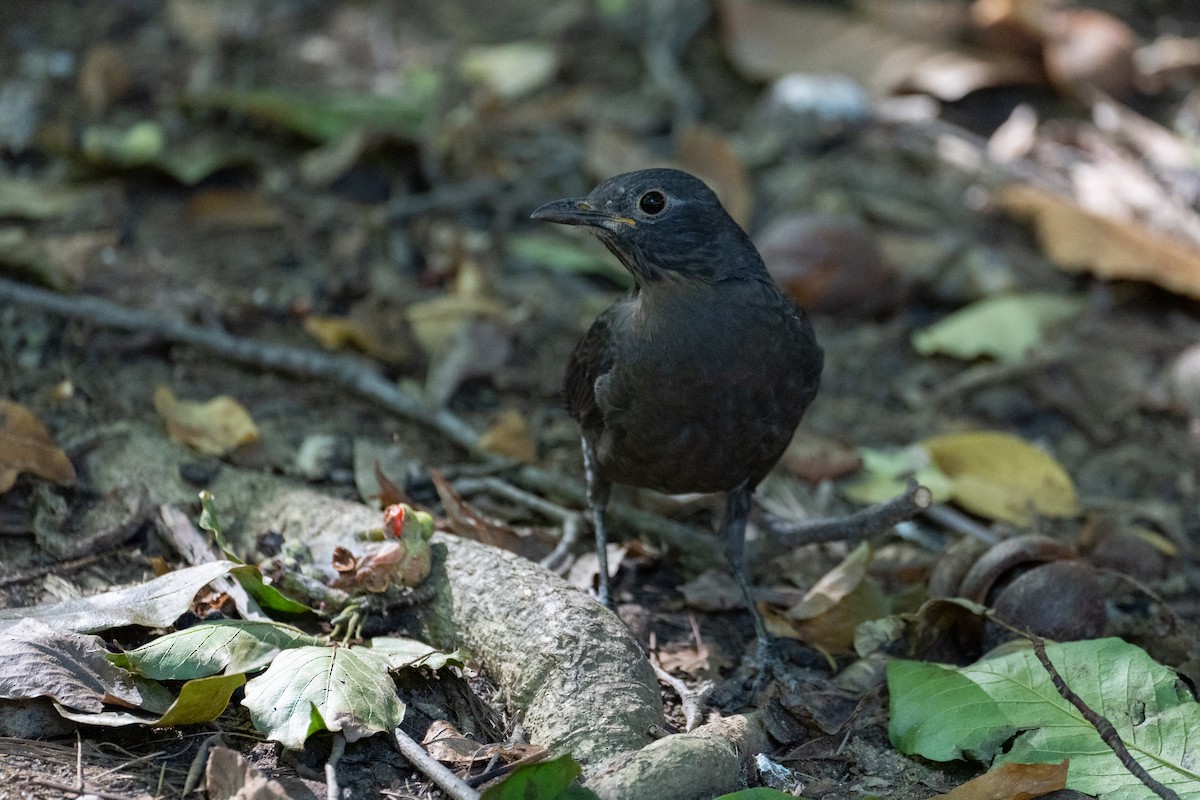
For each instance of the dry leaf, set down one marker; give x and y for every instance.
(814, 458)
(835, 585)
(104, 77)
(1001, 477)
(377, 331)
(834, 607)
(1012, 781)
(509, 436)
(1076, 239)
(26, 446)
(233, 209)
(467, 522)
(1088, 50)
(710, 156)
(767, 40)
(215, 427)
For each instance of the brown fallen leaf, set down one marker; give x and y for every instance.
(230, 776)
(371, 328)
(466, 521)
(509, 436)
(1012, 782)
(217, 426)
(1078, 240)
(828, 614)
(26, 446)
(233, 209)
(711, 156)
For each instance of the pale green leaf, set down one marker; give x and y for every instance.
(211, 647)
(885, 474)
(333, 688)
(1004, 328)
(934, 712)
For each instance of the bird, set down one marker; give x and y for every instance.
(695, 381)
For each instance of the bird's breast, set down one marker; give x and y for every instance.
(704, 392)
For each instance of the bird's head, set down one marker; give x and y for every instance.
(662, 224)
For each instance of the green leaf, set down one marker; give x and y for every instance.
(1004, 328)
(1159, 723)
(145, 145)
(402, 653)
(327, 116)
(212, 647)
(561, 254)
(332, 688)
(154, 604)
(266, 595)
(968, 722)
(544, 781)
(885, 474)
(201, 700)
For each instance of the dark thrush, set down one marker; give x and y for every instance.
(696, 381)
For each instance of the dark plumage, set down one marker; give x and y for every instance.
(696, 381)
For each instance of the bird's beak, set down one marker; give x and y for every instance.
(577, 211)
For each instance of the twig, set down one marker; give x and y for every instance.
(429, 766)
(957, 521)
(336, 749)
(571, 520)
(1103, 727)
(444, 198)
(687, 540)
(691, 700)
(357, 375)
(198, 763)
(66, 787)
(856, 527)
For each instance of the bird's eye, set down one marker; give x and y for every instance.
(652, 202)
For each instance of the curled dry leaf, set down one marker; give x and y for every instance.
(1012, 781)
(26, 446)
(217, 426)
(1089, 50)
(1076, 239)
(833, 608)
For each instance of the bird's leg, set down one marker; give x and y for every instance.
(733, 530)
(597, 497)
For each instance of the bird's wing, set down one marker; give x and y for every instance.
(591, 360)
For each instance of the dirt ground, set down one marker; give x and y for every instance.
(409, 235)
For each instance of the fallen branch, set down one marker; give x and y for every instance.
(358, 375)
(852, 528)
(431, 768)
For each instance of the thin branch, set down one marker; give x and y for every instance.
(431, 768)
(336, 750)
(358, 375)
(1103, 727)
(959, 522)
(856, 527)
